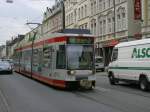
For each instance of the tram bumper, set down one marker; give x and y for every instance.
(87, 84)
(82, 79)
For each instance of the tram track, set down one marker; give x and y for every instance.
(113, 99)
(87, 95)
(4, 107)
(128, 89)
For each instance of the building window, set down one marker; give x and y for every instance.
(101, 28)
(91, 8)
(95, 28)
(85, 25)
(79, 13)
(109, 25)
(119, 22)
(109, 3)
(71, 18)
(82, 15)
(100, 5)
(104, 5)
(75, 14)
(85, 10)
(113, 23)
(94, 7)
(123, 20)
(92, 27)
(104, 27)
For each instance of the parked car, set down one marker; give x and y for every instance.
(5, 67)
(8, 60)
(99, 63)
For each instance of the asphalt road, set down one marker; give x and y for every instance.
(21, 94)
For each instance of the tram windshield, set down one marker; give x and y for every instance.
(80, 57)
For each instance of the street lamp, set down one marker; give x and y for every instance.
(9, 1)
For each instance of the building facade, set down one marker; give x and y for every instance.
(77, 14)
(146, 18)
(3, 51)
(53, 19)
(111, 21)
(11, 45)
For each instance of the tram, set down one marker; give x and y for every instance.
(60, 59)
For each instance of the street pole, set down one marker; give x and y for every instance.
(32, 45)
(63, 13)
(114, 34)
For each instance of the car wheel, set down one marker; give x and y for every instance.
(144, 84)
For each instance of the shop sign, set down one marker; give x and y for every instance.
(110, 43)
(137, 10)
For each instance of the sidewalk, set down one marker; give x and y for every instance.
(3, 103)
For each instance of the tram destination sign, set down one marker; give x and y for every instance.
(80, 40)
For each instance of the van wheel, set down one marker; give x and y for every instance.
(143, 84)
(112, 80)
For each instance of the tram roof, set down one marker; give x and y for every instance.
(66, 32)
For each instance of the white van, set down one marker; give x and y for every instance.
(131, 63)
(99, 63)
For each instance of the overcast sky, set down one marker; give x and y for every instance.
(14, 16)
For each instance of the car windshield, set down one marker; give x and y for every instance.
(80, 56)
(4, 64)
(98, 60)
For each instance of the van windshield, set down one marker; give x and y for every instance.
(115, 55)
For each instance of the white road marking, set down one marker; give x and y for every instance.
(4, 102)
(102, 89)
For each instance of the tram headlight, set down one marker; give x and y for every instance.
(71, 72)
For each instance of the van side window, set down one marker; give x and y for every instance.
(115, 55)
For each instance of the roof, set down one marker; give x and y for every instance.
(133, 43)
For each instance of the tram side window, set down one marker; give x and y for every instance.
(47, 57)
(61, 57)
(35, 57)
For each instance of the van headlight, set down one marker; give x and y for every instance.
(71, 72)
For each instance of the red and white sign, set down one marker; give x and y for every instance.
(137, 10)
